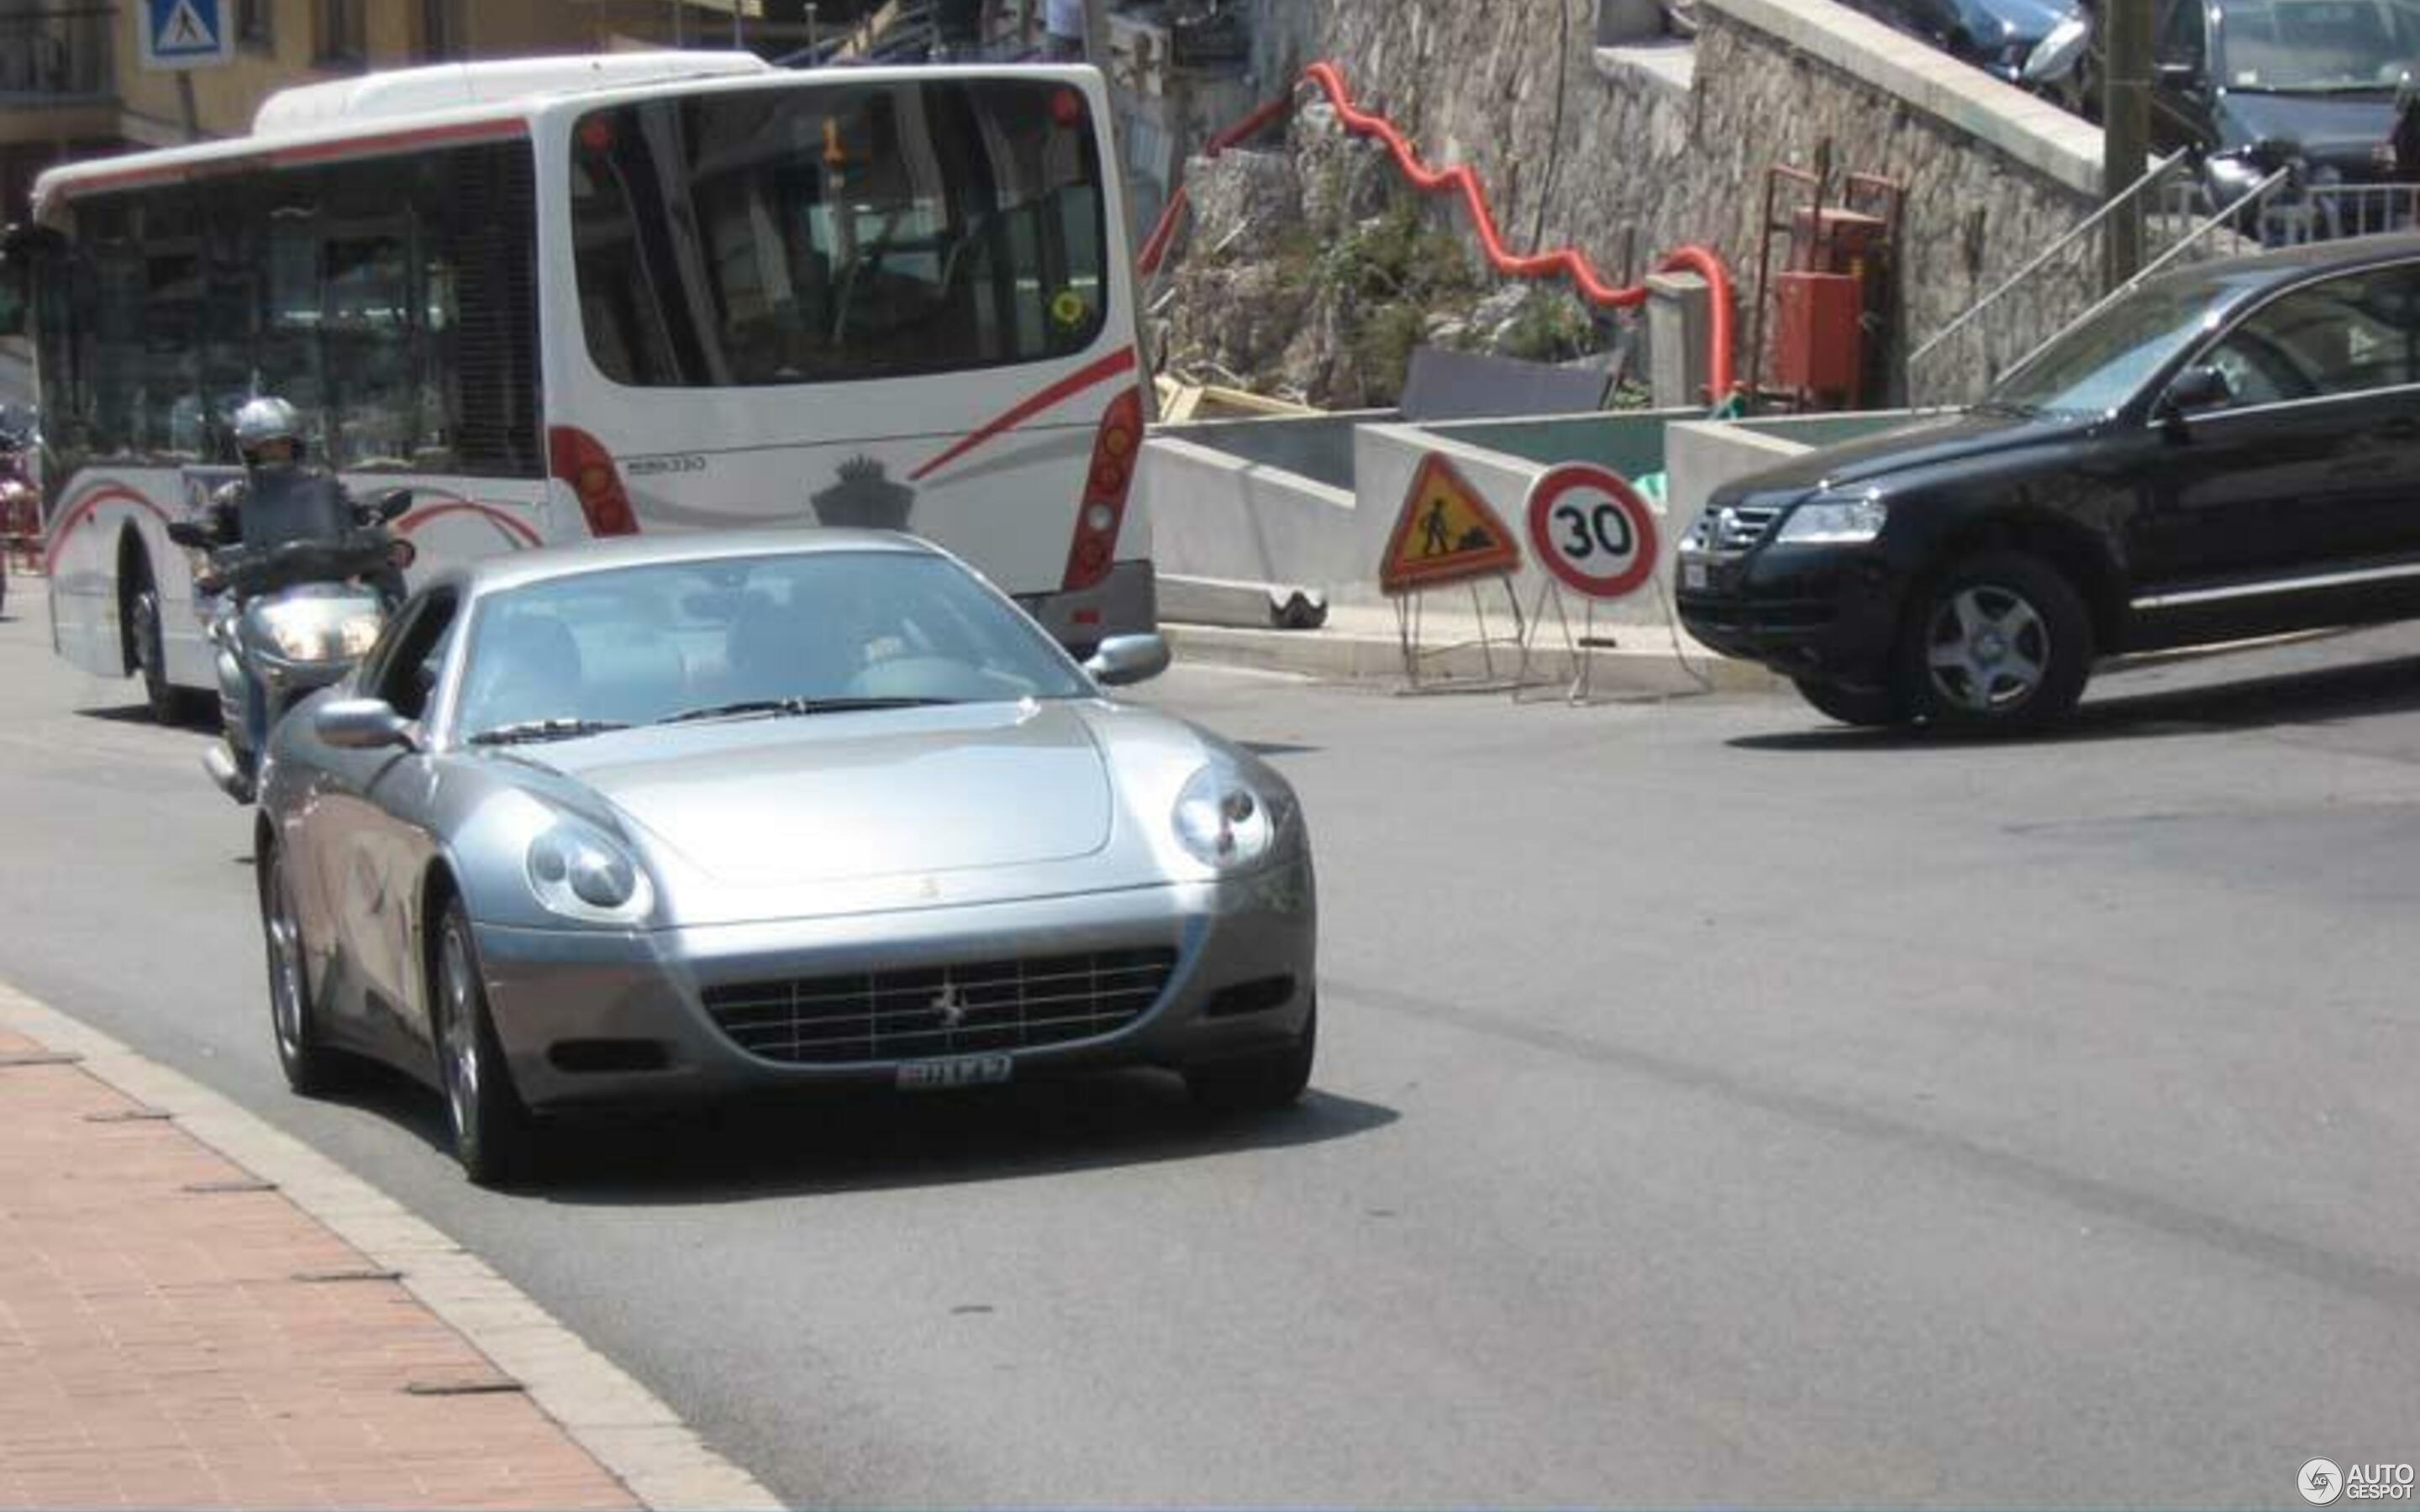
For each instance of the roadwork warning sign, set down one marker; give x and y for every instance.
(1446, 533)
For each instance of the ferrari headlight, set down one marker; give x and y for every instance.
(577, 871)
(1224, 820)
(1827, 521)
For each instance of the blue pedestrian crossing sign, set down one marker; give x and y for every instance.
(184, 34)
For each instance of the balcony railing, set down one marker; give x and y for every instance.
(55, 53)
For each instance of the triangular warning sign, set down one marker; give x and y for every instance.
(1445, 535)
(185, 31)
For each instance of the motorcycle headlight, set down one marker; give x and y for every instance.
(1224, 820)
(576, 871)
(1835, 521)
(311, 629)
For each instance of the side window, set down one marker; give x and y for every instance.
(404, 667)
(2347, 335)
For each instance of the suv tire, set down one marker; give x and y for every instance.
(2000, 641)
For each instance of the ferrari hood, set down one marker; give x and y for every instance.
(811, 799)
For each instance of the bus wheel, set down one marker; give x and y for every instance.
(168, 703)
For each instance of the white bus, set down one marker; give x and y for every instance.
(580, 297)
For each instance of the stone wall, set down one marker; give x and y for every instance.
(1579, 146)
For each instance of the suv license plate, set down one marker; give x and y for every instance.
(958, 1071)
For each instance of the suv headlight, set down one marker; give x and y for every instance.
(1225, 820)
(322, 629)
(576, 871)
(1830, 521)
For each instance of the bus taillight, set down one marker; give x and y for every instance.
(1103, 508)
(580, 460)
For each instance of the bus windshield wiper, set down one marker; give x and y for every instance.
(523, 731)
(777, 708)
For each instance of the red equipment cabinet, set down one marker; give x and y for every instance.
(1822, 346)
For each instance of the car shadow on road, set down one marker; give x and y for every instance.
(854, 1141)
(2303, 698)
(204, 720)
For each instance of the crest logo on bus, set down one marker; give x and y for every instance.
(864, 499)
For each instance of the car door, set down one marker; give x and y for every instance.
(2311, 465)
(368, 841)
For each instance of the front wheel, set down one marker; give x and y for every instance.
(151, 653)
(2001, 642)
(493, 1137)
(1259, 1083)
(311, 1068)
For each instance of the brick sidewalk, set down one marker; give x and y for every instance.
(170, 1338)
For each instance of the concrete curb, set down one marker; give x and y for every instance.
(627, 1427)
(1332, 655)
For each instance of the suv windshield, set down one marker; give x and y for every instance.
(2315, 46)
(747, 636)
(838, 231)
(2097, 364)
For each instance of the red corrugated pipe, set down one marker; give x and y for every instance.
(1565, 262)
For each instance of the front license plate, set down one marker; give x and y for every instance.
(958, 1071)
(1693, 576)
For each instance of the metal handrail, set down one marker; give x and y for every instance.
(2258, 192)
(2157, 172)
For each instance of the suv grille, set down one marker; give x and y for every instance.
(1738, 527)
(942, 1010)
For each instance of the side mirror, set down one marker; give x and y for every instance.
(393, 504)
(192, 534)
(2196, 388)
(361, 724)
(1128, 658)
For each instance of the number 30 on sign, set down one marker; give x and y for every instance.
(1592, 530)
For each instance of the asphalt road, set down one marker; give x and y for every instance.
(1715, 1106)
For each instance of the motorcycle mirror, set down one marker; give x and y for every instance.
(187, 532)
(392, 505)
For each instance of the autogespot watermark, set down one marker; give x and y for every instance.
(2322, 1483)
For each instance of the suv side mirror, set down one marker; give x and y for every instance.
(361, 724)
(191, 534)
(1128, 658)
(2177, 74)
(2196, 388)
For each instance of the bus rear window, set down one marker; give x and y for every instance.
(844, 231)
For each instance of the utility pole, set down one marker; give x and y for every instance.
(2125, 131)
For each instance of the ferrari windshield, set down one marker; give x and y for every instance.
(747, 636)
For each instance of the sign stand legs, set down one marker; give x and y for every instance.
(1409, 624)
(1580, 689)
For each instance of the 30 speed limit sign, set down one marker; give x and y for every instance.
(1591, 530)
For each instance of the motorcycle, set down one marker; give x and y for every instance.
(295, 617)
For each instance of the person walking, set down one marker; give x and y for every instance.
(1062, 31)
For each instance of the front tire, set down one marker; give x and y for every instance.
(493, 1137)
(312, 1069)
(2001, 642)
(1867, 709)
(1259, 1083)
(151, 652)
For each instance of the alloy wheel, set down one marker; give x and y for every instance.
(458, 1036)
(1987, 649)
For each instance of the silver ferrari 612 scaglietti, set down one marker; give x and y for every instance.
(673, 818)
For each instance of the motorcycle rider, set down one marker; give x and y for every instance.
(280, 500)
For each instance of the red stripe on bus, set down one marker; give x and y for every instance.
(1066, 387)
(495, 517)
(82, 510)
(353, 147)
(387, 142)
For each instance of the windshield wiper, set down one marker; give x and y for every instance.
(2004, 406)
(559, 729)
(774, 708)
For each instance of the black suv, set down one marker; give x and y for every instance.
(2226, 452)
